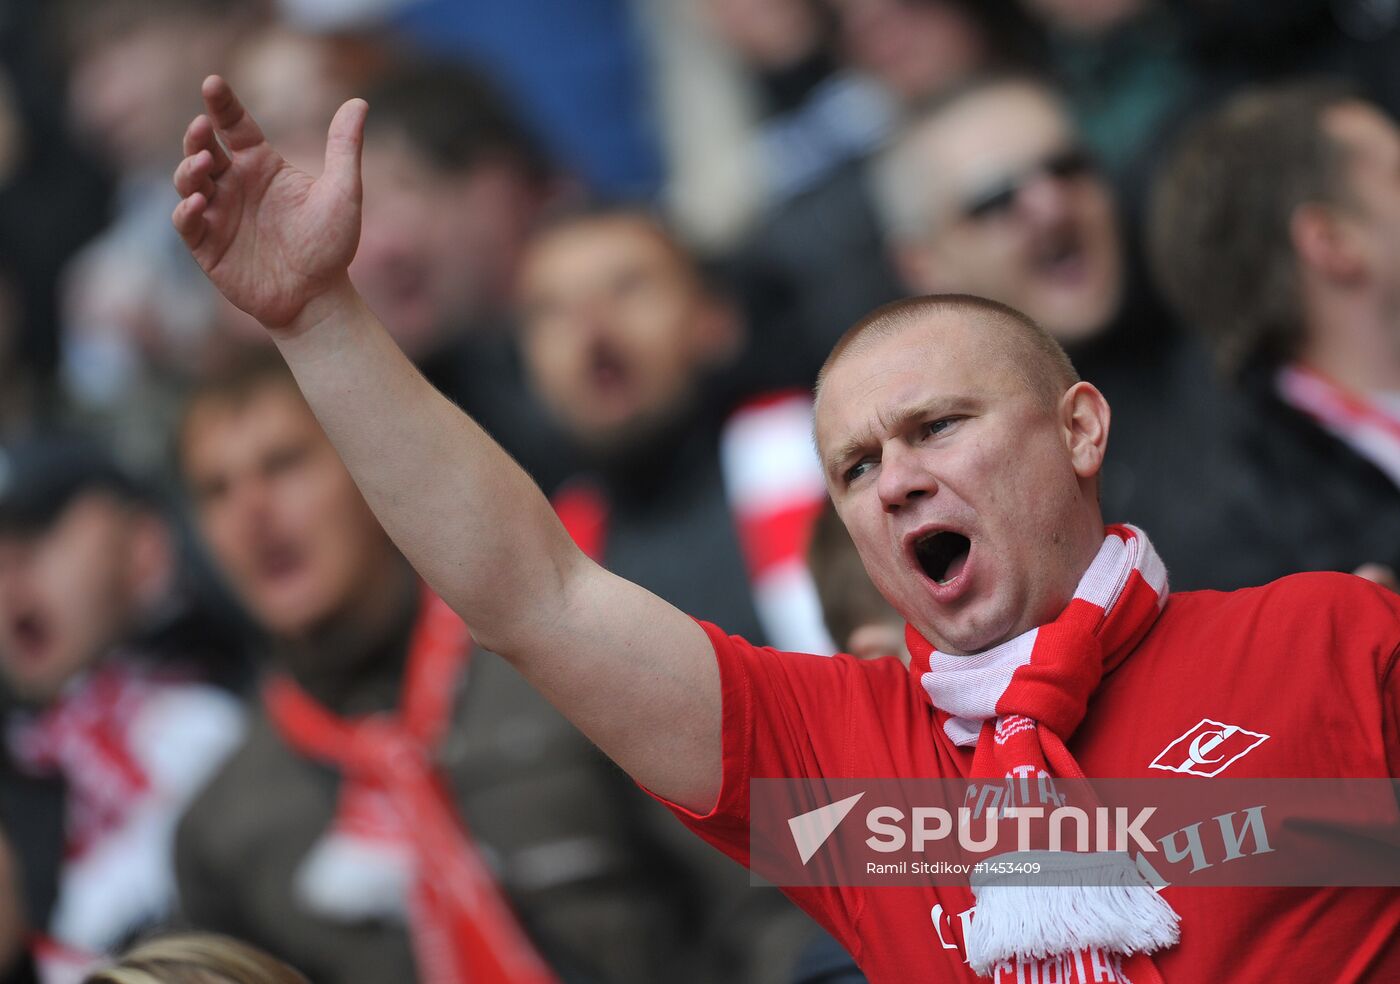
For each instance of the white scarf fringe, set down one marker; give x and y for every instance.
(1096, 900)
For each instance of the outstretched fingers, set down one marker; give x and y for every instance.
(238, 129)
(199, 135)
(193, 175)
(188, 219)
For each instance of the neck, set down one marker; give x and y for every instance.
(353, 663)
(651, 460)
(1354, 344)
(1081, 546)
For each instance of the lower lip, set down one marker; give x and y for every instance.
(281, 571)
(951, 591)
(1070, 271)
(29, 653)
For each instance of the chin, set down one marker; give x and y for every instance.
(288, 621)
(974, 632)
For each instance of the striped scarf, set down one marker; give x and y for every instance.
(1017, 704)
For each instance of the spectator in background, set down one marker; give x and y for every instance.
(991, 191)
(461, 184)
(628, 345)
(856, 615)
(1276, 230)
(455, 186)
(134, 308)
(301, 844)
(919, 48)
(96, 661)
(805, 112)
(825, 244)
(1124, 68)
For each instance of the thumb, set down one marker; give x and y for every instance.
(344, 141)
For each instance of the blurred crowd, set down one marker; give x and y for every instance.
(623, 236)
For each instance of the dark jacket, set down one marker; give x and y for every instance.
(1304, 501)
(582, 855)
(531, 789)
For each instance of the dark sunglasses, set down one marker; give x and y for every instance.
(999, 198)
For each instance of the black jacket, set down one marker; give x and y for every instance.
(1304, 500)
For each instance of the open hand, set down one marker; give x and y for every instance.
(269, 236)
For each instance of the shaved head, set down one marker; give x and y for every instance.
(1029, 349)
(956, 422)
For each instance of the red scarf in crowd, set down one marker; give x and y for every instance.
(462, 928)
(1360, 423)
(1017, 704)
(85, 736)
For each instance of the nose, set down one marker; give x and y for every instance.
(1045, 198)
(246, 507)
(903, 477)
(13, 571)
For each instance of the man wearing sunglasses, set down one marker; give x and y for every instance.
(990, 191)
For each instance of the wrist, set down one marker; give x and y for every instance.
(328, 310)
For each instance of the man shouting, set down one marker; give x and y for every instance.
(963, 456)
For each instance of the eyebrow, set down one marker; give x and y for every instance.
(896, 422)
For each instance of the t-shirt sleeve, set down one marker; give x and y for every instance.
(1365, 628)
(1390, 681)
(785, 716)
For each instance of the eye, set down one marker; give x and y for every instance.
(857, 470)
(934, 428)
(210, 491)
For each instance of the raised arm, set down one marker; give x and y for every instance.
(633, 673)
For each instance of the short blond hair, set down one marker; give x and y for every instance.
(195, 958)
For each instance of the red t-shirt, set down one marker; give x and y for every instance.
(1328, 697)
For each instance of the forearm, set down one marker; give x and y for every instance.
(468, 518)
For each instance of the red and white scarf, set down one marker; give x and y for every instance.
(1364, 425)
(462, 928)
(133, 745)
(85, 736)
(1017, 704)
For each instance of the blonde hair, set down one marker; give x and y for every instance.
(195, 958)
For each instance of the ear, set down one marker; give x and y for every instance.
(1084, 415)
(1325, 245)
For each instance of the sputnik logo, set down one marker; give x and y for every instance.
(812, 829)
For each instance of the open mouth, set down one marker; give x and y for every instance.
(1061, 255)
(942, 554)
(608, 370)
(30, 635)
(277, 561)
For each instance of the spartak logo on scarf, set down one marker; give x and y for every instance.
(1017, 704)
(395, 808)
